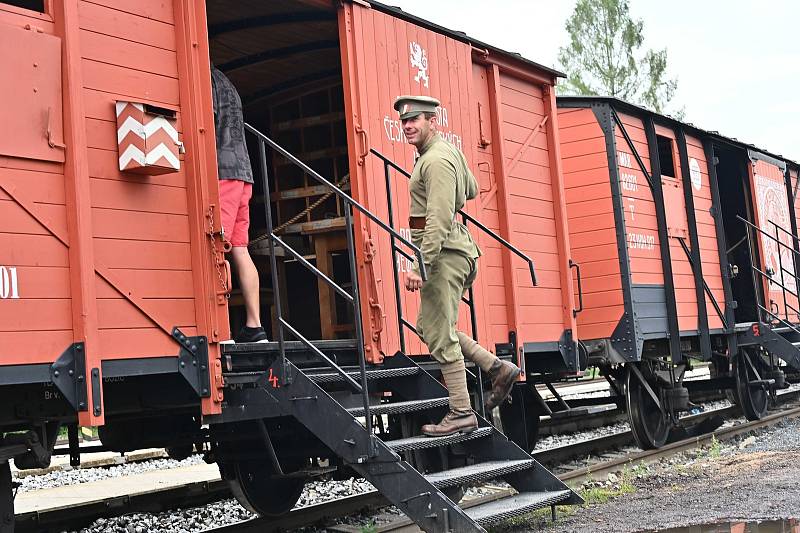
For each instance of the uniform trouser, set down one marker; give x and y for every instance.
(450, 275)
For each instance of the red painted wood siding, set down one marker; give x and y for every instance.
(675, 205)
(706, 230)
(384, 46)
(35, 296)
(771, 209)
(140, 223)
(592, 229)
(493, 278)
(794, 181)
(529, 184)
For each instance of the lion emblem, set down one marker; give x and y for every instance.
(419, 61)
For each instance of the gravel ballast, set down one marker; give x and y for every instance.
(751, 478)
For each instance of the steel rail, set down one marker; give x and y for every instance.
(650, 456)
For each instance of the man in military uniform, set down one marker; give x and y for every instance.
(440, 185)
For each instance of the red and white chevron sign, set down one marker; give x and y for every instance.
(148, 141)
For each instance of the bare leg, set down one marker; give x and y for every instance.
(248, 278)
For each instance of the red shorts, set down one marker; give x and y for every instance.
(234, 202)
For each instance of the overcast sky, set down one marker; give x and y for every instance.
(737, 61)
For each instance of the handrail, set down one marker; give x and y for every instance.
(769, 276)
(354, 299)
(787, 232)
(471, 219)
(341, 194)
(747, 222)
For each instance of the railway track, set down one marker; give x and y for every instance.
(613, 450)
(598, 469)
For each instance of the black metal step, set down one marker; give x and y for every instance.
(477, 472)
(419, 443)
(394, 408)
(330, 376)
(289, 346)
(499, 510)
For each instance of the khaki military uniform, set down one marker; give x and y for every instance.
(440, 185)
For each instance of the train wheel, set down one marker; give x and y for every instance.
(520, 417)
(259, 490)
(649, 425)
(752, 398)
(6, 499)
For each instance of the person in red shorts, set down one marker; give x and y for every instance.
(235, 189)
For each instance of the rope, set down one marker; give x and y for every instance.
(304, 212)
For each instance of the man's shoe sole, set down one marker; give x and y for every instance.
(507, 386)
(460, 430)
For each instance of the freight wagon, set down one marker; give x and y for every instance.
(116, 297)
(687, 246)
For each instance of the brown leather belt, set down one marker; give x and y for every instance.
(416, 222)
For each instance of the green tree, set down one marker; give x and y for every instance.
(605, 57)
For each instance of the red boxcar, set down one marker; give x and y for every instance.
(660, 218)
(113, 280)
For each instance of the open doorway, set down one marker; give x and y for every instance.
(735, 197)
(283, 57)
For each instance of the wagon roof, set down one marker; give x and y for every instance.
(666, 119)
(461, 36)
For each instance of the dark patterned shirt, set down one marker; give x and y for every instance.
(233, 161)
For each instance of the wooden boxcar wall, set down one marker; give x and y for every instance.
(111, 259)
(497, 118)
(36, 314)
(772, 211)
(642, 237)
(591, 218)
(597, 244)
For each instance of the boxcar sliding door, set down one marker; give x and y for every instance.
(772, 216)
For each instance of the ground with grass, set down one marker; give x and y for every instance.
(749, 479)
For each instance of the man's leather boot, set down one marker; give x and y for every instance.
(453, 422)
(503, 374)
(460, 418)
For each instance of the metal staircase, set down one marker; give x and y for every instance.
(344, 407)
(393, 463)
(778, 330)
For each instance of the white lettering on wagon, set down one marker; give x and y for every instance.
(394, 129)
(9, 285)
(695, 174)
(419, 61)
(624, 159)
(403, 264)
(640, 241)
(629, 182)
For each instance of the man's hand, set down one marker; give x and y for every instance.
(413, 282)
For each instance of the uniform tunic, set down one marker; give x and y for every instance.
(440, 185)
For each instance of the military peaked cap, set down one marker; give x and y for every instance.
(411, 106)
